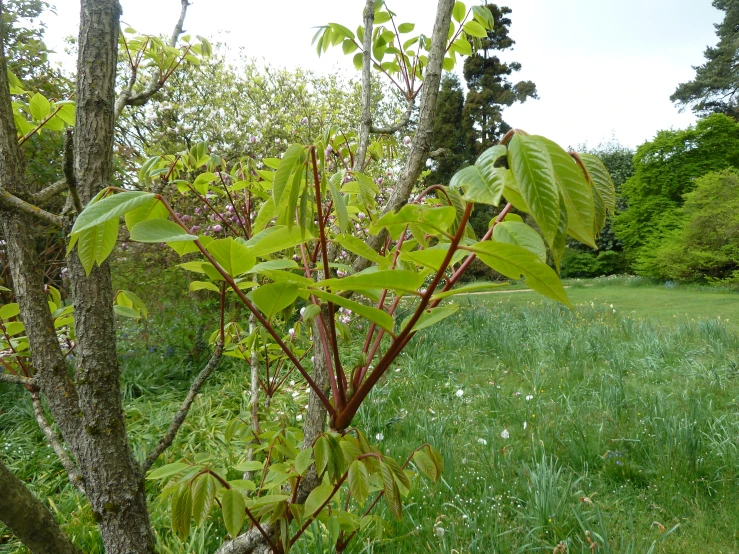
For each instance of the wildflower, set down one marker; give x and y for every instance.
(379, 436)
(439, 531)
(302, 311)
(299, 417)
(406, 140)
(482, 441)
(529, 396)
(505, 434)
(525, 425)
(459, 393)
(291, 332)
(304, 121)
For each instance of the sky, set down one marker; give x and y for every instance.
(604, 69)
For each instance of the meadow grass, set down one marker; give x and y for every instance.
(557, 427)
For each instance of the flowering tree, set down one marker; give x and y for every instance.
(317, 249)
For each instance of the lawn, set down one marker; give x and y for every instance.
(556, 426)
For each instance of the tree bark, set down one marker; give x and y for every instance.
(28, 518)
(113, 481)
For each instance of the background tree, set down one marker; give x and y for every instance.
(449, 132)
(490, 90)
(664, 170)
(716, 84)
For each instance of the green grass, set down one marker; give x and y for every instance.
(632, 423)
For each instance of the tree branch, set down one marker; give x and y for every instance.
(69, 170)
(366, 119)
(126, 97)
(44, 195)
(69, 466)
(17, 380)
(181, 414)
(11, 202)
(397, 126)
(251, 542)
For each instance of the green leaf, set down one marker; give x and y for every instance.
(95, 245)
(203, 285)
(233, 256)
(459, 11)
(348, 46)
(14, 328)
(294, 154)
(249, 465)
(432, 257)
(435, 219)
(9, 310)
(514, 261)
(150, 210)
(181, 511)
(275, 239)
(426, 465)
(234, 511)
(483, 16)
(474, 29)
(513, 232)
(534, 174)
(392, 493)
(360, 248)
(160, 230)
(317, 497)
(167, 470)
(272, 265)
(358, 60)
(408, 281)
(406, 27)
(601, 180)
(468, 289)
(478, 187)
(576, 191)
(383, 319)
(462, 46)
(274, 297)
(321, 454)
(339, 206)
(125, 311)
(358, 481)
(303, 460)
(39, 106)
(266, 213)
(432, 316)
(110, 207)
(203, 493)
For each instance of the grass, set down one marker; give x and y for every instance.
(571, 427)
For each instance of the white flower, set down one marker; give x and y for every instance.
(379, 436)
(459, 393)
(529, 397)
(505, 434)
(439, 531)
(482, 441)
(299, 417)
(291, 332)
(525, 425)
(302, 312)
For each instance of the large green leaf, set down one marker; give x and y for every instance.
(274, 297)
(339, 205)
(317, 497)
(392, 493)
(150, 210)
(295, 154)
(167, 470)
(532, 168)
(514, 232)
(432, 219)
(95, 244)
(358, 481)
(275, 239)
(432, 316)
(513, 261)
(383, 319)
(576, 191)
(160, 230)
(459, 11)
(272, 265)
(408, 281)
(234, 257)
(112, 206)
(182, 510)
(234, 511)
(432, 257)
(39, 106)
(601, 179)
(359, 247)
(203, 493)
(483, 188)
(468, 289)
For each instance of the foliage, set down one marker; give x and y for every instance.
(714, 88)
(665, 169)
(705, 245)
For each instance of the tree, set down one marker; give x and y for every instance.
(705, 245)
(665, 169)
(490, 90)
(305, 207)
(716, 83)
(449, 132)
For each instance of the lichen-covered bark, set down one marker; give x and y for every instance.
(28, 518)
(112, 477)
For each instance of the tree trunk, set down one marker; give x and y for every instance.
(28, 518)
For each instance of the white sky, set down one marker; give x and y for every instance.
(603, 68)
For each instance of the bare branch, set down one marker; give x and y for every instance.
(126, 97)
(17, 379)
(181, 414)
(251, 542)
(366, 119)
(11, 202)
(69, 170)
(44, 195)
(400, 124)
(438, 153)
(69, 466)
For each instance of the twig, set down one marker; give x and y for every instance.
(46, 194)
(181, 414)
(12, 202)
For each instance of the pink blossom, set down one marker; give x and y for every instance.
(406, 140)
(217, 228)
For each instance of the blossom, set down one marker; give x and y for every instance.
(217, 228)
(505, 434)
(529, 396)
(525, 424)
(482, 441)
(291, 332)
(406, 140)
(459, 393)
(304, 121)
(302, 311)
(379, 436)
